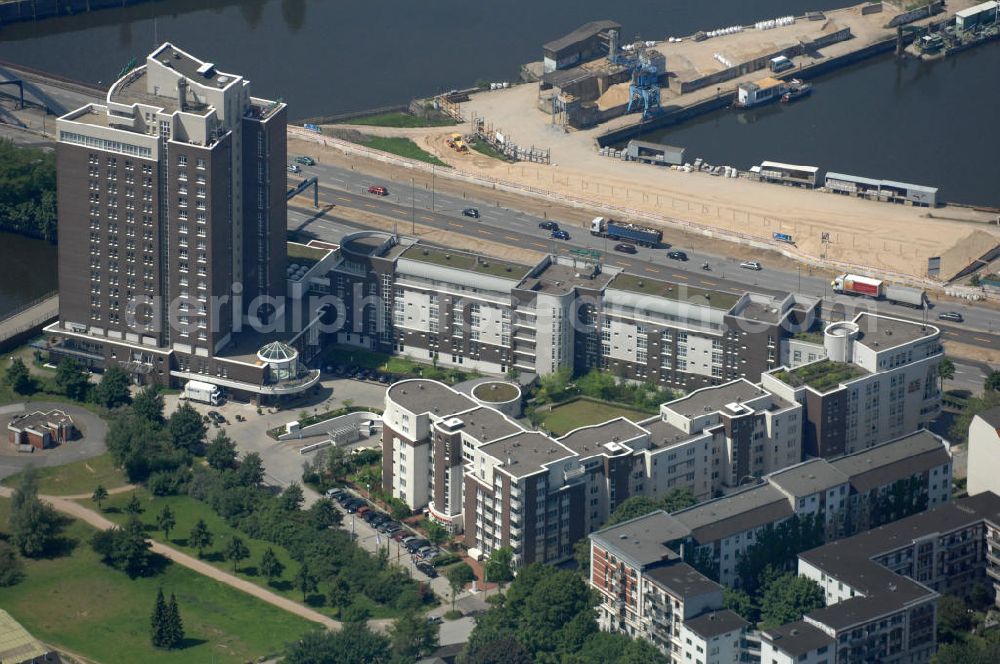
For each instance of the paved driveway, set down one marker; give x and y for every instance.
(90, 443)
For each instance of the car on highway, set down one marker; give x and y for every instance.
(677, 255)
(951, 317)
(750, 265)
(305, 161)
(560, 235)
(626, 248)
(294, 168)
(471, 212)
(378, 190)
(548, 225)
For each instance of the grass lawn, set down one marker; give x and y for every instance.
(404, 147)
(76, 478)
(78, 603)
(400, 366)
(402, 120)
(187, 511)
(583, 412)
(485, 148)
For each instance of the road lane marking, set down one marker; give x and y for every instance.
(678, 276)
(651, 269)
(452, 225)
(426, 218)
(370, 205)
(511, 237)
(343, 198)
(983, 340)
(538, 244)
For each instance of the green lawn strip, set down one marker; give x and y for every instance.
(187, 511)
(403, 147)
(584, 412)
(402, 120)
(78, 603)
(79, 477)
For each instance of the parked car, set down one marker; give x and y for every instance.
(471, 212)
(677, 255)
(294, 168)
(435, 620)
(378, 190)
(305, 161)
(951, 316)
(401, 534)
(626, 248)
(560, 235)
(351, 507)
(548, 225)
(750, 265)
(415, 545)
(334, 493)
(427, 569)
(364, 509)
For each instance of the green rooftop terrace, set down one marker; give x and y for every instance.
(815, 337)
(465, 261)
(303, 254)
(672, 291)
(822, 376)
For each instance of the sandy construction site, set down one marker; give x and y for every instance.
(890, 239)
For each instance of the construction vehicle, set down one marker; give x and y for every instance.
(457, 143)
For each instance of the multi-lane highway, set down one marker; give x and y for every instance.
(417, 205)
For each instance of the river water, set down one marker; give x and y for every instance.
(929, 124)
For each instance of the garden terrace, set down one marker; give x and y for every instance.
(821, 376)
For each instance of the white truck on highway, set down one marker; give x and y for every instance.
(195, 390)
(877, 289)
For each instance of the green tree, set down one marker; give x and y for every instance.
(412, 637)
(499, 568)
(323, 514)
(306, 581)
(677, 499)
(175, 626)
(436, 533)
(371, 478)
(11, 568)
(357, 645)
(148, 404)
(251, 470)
(739, 602)
(336, 464)
(458, 576)
(959, 430)
(201, 537)
(291, 498)
(134, 505)
(187, 429)
(27, 191)
(503, 650)
(140, 447)
(953, 619)
(71, 379)
(992, 382)
(946, 369)
(236, 551)
(553, 386)
(339, 595)
(99, 496)
(113, 390)
(787, 598)
(34, 525)
(19, 378)
(270, 566)
(221, 452)
(632, 508)
(124, 547)
(778, 547)
(166, 521)
(158, 622)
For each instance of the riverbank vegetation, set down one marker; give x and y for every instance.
(27, 191)
(404, 120)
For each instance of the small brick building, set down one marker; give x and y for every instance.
(40, 429)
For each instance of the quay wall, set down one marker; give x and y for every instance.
(677, 115)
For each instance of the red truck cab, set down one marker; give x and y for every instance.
(378, 190)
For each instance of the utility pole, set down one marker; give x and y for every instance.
(433, 172)
(413, 210)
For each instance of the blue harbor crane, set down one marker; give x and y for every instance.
(646, 65)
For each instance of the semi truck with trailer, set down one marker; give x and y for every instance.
(877, 289)
(195, 390)
(624, 232)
